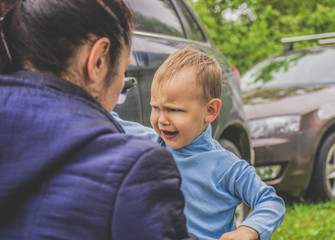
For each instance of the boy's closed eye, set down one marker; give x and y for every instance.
(168, 109)
(154, 107)
(175, 110)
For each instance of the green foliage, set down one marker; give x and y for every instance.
(307, 221)
(256, 33)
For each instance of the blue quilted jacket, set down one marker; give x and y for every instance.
(68, 171)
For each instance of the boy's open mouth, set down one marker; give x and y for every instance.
(169, 134)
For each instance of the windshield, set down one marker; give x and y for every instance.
(298, 68)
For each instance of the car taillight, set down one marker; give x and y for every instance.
(237, 73)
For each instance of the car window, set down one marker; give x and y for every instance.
(156, 16)
(192, 29)
(315, 67)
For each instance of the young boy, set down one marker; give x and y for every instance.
(185, 99)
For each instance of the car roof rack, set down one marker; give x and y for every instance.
(291, 40)
(326, 41)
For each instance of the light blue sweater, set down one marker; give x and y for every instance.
(214, 182)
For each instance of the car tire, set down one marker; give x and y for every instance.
(228, 145)
(322, 186)
(242, 209)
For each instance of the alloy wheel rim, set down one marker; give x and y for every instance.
(330, 170)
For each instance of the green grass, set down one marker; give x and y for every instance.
(307, 221)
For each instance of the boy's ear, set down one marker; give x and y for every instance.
(97, 58)
(213, 109)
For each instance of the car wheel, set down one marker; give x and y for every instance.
(228, 145)
(241, 213)
(323, 180)
(242, 210)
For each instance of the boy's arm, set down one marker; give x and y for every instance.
(136, 129)
(268, 208)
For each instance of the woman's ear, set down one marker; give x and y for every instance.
(213, 109)
(97, 59)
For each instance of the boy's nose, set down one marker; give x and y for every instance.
(163, 119)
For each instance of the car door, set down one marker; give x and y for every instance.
(129, 104)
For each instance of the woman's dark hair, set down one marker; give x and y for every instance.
(46, 33)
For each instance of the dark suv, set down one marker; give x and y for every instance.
(162, 25)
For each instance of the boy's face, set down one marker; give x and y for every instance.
(178, 110)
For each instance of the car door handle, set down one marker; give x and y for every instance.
(129, 82)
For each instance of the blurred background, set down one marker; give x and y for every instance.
(288, 97)
(247, 31)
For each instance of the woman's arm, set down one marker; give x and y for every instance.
(149, 203)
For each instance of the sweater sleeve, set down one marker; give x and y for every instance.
(136, 129)
(268, 208)
(149, 203)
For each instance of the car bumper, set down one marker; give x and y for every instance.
(292, 154)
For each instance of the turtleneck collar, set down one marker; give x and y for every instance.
(202, 143)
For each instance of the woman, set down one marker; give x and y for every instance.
(67, 170)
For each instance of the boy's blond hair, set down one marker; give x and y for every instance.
(208, 72)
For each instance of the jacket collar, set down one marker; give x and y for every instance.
(54, 82)
(62, 85)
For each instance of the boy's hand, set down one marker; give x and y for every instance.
(241, 233)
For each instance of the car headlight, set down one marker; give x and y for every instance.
(268, 127)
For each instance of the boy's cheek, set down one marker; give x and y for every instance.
(156, 130)
(153, 120)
